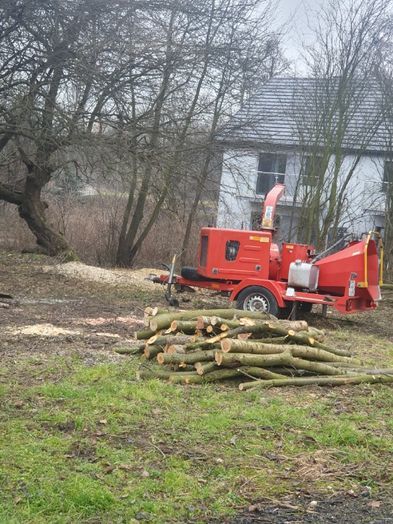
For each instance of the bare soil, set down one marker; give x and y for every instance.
(304, 509)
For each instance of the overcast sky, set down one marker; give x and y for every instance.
(295, 13)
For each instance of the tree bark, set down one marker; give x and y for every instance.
(165, 320)
(188, 358)
(257, 372)
(184, 326)
(230, 345)
(32, 211)
(320, 381)
(248, 359)
(202, 367)
(214, 376)
(152, 351)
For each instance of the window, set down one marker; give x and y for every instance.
(204, 246)
(231, 249)
(271, 170)
(387, 183)
(311, 170)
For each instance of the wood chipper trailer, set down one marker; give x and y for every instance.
(249, 268)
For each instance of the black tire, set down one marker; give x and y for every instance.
(254, 296)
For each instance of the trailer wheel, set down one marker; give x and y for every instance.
(255, 298)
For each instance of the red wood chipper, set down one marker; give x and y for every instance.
(249, 268)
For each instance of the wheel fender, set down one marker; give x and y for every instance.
(273, 287)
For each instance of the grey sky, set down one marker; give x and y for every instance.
(295, 13)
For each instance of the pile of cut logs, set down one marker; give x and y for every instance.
(202, 346)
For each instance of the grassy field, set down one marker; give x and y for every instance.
(81, 440)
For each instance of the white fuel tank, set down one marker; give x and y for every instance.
(303, 275)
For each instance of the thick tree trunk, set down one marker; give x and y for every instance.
(32, 210)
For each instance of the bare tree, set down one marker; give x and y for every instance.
(335, 120)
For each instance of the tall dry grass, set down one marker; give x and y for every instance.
(91, 225)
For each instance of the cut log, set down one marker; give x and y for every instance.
(184, 326)
(152, 351)
(159, 311)
(175, 348)
(230, 345)
(207, 342)
(248, 359)
(293, 325)
(312, 353)
(164, 321)
(304, 338)
(144, 333)
(319, 381)
(349, 368)
(274, 328)
(214, 376)
(319, 368)
(318, 334)
(183, 367)
(249, 346)
(219, 321)
(147, 373)
(203, 322)
(129, 350)
(268, 340)
(167, 340)
(252, 371)
(205, 367)
(188, 358)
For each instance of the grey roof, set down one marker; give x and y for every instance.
(297, 112)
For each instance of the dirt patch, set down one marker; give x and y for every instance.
(41, 330)
(342, 509)
(116, 277)
(130, 320)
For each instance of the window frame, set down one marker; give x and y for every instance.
(305, 177)
(266, 179)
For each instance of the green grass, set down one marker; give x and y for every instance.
(96, 444)
(83, 441)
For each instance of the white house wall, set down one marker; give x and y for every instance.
(365, 199)
(238, 183)
(238, 199)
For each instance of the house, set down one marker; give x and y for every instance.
(284, 131)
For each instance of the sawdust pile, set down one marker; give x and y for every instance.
(130, 320)
(116, 277)
(43, 330)
(49, 330)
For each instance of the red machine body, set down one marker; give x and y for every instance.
(234, 261)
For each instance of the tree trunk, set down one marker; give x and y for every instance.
(32, 211)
